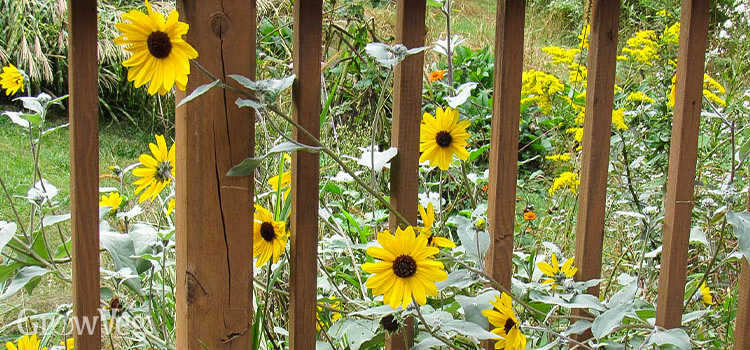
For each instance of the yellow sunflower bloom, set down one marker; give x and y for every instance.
(159, 53)
(442, 136)
(505, 322)
(269, 237)
(113, 200)
(557, 274)
(158, 170)
(428, 217)
(11, 80)
(25, 343)
(69, 343)
(285, 181)
(406, 270)
(170, 207)
(706, 298)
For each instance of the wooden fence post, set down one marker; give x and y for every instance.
(308, 28)
(506, 113)
(742, 322)
(214, 213)
(407, 117)
(683, 152)
(597, 128)
(84, 170)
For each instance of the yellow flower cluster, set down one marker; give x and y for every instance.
(559, 157)
(560, 54)
(539, 87)
(618, 119)
(671, 34)
(584, 37)
(711, 90)
(565, 180)
(578, 133)
(639, 96)
(578, 73)
(642, 47)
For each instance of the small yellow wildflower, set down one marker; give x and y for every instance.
(672, 34)
(706, 298)
(639, 96)
(663, 13)
(539, 88)
(559, 157)
(529, 215)
(68, 343)
(584, 37)
(642, 47)
(333, 315)
(113, 200)
(565, 180)
(557, 275)
(577, 133)
(618, 119)
(436, 75)
(578, 73)
(561, 55)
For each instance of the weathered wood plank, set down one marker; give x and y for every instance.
(682, 162)
(742, 323)
(308, 24)
(214, 212)
(84, 169)
(506, 112)
(597, 132)
(407, 117)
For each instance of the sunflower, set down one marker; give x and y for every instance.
(436, 75)
(706, 298)
(557, 274)
(428, 217)
(158, 171)
(159, 53)
(68, 343)
(170, 207)
(11, 80)
(25, 343)
(505, 322)
(286, 180)
(407, 269)
(442, 136)
(269, 236)
(113, 200)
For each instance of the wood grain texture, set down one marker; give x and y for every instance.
(214, 212)
(407, 118)
(597, 132)
(506, 112)
(682, 162)
(308, 24)
(742, 323)
(84, 168)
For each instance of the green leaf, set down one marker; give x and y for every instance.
(6, 233)
(197, 92)
(121, 248)
(55, 219)
(675, 337)
(241, 102)
(271, 87)
(741, 224)
(474, 154)
(605, 323)
(25, 276)
(356, 331)
(473, 307)
(250, 164)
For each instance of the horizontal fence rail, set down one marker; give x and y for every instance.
(214, 295)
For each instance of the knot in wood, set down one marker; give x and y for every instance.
(220, 24)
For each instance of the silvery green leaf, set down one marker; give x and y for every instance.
(197, 92)
(675, 337)
(380, 158)
(53, 129)
(462, 94)
(121, 249)
(242, 102)
(25, 275)
(427, 344)
(458, 279)
(41, 192)
(577, 328)
(247, 166)
(630, 213)
(15, 117)
(33, 103)
(441, 46)
(473, 307)
(267, 86)
(741, 224)
(654, 253)
(416, 50)
(692, 316)
(580, 301)
(357, 332)
(55, 219)
(135, 211)
(605, 323)
(467, 328)
(383, 54)
(379, 311)
(7, 231)
(282, 331)
(342, 176)
(698, 236)
(321, 345)
(474, 242)
(626, 295)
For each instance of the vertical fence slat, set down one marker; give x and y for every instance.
(682, 162)
(506, 112)
(407, 117)
(308, 24)
(597, 132)
(742, 323)
(84, 169)
(213, 211)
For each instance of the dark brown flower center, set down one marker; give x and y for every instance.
(267, 231)
(509, 324)
(404, 266)
(444, 139)
(390, 323)
(164, 171)
(159, 44)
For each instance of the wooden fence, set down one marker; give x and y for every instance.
(214, 264)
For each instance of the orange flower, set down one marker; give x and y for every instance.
(529, 215)
(437, 75)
